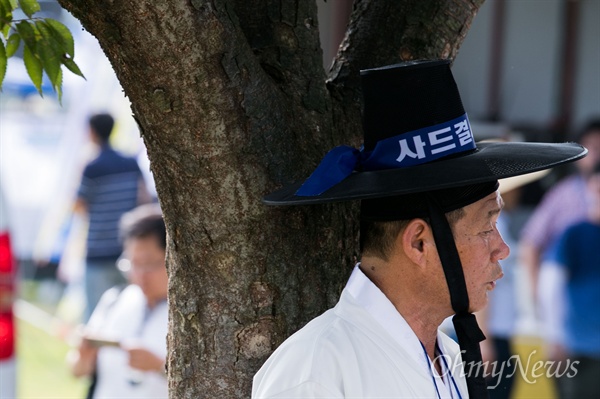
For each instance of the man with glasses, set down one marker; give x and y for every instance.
(123, 346)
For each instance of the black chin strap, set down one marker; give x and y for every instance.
(467, 331)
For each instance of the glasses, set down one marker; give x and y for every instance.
(126, 266)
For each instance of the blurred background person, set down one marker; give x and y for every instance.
(123, 346)
(564, 204)
(573, 328)
(48, 251)
(111, 185)
(498, 320)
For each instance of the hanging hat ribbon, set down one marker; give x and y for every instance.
(337, 164)
(465, 324)
(469, 336)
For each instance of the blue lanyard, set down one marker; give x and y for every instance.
(438, 351)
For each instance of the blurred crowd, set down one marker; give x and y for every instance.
(551, 223)
(551, 283)
(119, 337)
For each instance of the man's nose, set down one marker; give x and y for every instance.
(503, 250)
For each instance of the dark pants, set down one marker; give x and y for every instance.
(99, 276)
(503, 382)
(585, 383)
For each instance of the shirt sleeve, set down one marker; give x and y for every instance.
(101, 311)
(85, 186)
(560, 208)
(538, 229)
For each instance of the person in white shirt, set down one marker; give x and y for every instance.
(429, 243)
(124, 343)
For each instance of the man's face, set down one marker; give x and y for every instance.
(480, 247)
(147, 267)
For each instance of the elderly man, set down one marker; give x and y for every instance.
(430, 247)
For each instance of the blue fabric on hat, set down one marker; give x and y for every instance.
(335, 167)
(406, 149)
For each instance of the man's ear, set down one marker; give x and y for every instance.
(413, 240)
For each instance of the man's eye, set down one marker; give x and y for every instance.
(493, 228)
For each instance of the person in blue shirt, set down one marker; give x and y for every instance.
(575, 268)
(111, 185)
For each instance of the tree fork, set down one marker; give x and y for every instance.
(231, 101)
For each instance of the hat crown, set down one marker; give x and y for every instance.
(417, 139)
(406, 97)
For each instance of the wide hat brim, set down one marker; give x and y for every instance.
(489, 162)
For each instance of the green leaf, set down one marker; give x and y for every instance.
(50, 60)
(28, 34)
(42, 29)
(72, 66)
(12, 44)
(49, 52)
(62, 35)
(6, 5)
(58, 86)
(3, 62)
(29, 7)
(48, 44)
(34, 68)
(6, 16)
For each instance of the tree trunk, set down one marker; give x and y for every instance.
(232, 102)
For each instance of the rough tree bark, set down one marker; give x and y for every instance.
(232, 101)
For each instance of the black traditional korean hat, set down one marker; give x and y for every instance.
(420, 159)
(417, 138)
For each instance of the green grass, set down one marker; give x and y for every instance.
(41, 368)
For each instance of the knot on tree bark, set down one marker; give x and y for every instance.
(261, 294)
(255, 340)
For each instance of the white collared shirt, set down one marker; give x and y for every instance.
(362, 348)
(127, 319)
(370, 297)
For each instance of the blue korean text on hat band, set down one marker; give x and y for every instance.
(403, 150)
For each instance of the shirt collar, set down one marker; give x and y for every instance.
(373, 300)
